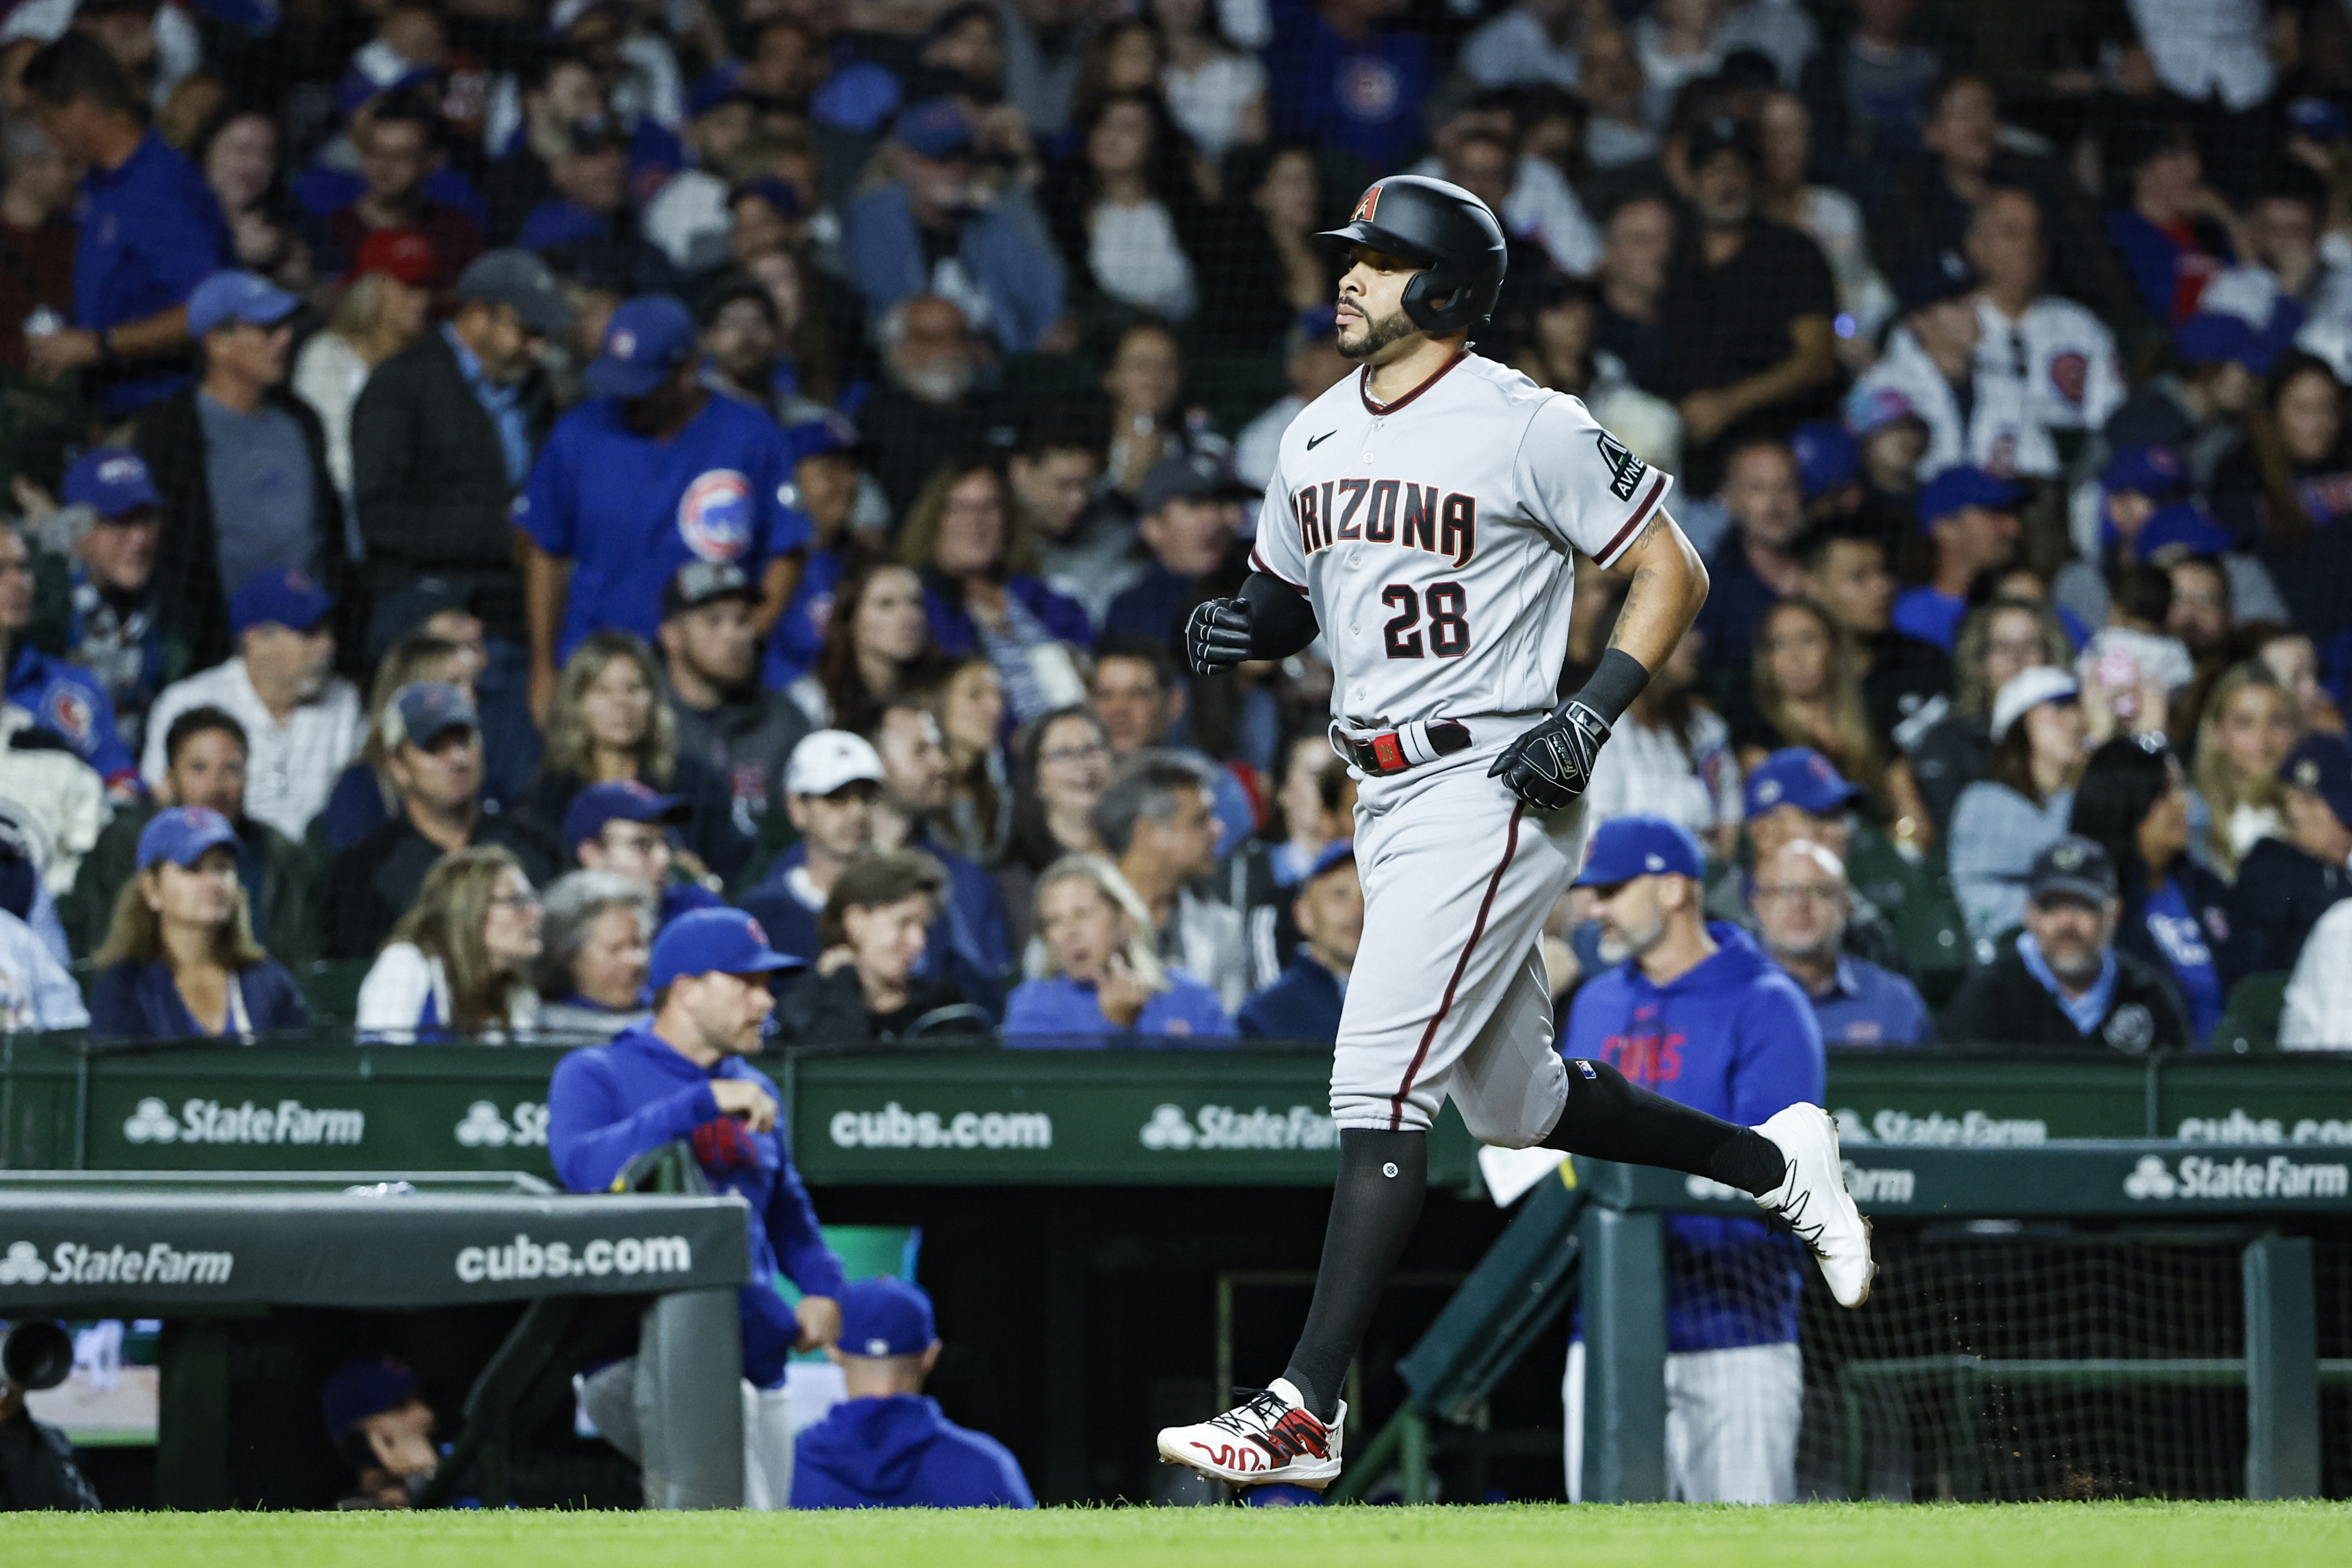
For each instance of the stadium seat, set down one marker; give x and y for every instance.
(2251, 1020)
(331, 987)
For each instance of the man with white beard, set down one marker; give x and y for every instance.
(924, 417)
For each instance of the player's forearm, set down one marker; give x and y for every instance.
(777, 585)
(1281, 619)
(1669, 585)
(165, 332)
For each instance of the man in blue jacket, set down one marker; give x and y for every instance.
(1304, 1005)
(1694, 1011)
(887, 1446)
(683, 1077)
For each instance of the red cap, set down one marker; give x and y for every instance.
(402, 253)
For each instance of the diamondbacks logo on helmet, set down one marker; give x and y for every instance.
(1626, 470)
(1367, 205)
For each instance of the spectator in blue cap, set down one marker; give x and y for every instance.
(1829, 462)
(684, 1078)
(63, 698)
(432, 748)
(1691, 1009)
(651, 472)
(1797, 794)
(623, 826)
(242, 464)
(2288, 881)
(381, 1429)
(1971, 516)
(302, 721)
(938, 209)
(1328, 907)
(179, 958)
(2199, 409)
(151, 229)
(115, 632)
(888, 1446)
(1931, 361)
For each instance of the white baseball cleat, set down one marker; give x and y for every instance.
(1812, 1198)
(1272, 1438)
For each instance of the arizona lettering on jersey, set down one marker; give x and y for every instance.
(1436, 537)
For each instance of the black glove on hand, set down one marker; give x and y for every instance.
(1551, 765)
(1217, 637)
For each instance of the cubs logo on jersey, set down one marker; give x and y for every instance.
(68, 712)
(2070, 375)
(714, 516)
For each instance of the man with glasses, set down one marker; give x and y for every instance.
(434, 753)
(1800, 899)
(623, 826)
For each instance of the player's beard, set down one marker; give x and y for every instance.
(1369, 337)
(1618, 943)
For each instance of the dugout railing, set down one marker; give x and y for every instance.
(1596, 1236)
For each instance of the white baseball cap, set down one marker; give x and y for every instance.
(2026, 689)
(828, 760)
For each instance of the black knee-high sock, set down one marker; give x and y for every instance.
(1373, 1208)
(1607, 1118)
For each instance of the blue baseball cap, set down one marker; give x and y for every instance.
(2215, 337)
(227, 297)
(648, 338)
(1957, 489)
(617, 800)
(2318, 118)
(1870, 409)
(2321, 765)
(934, 128)
(424, 711)
(779, 194)
(1624, 847)
(1826, 456)
(832, 432)
(1338, 852)
(362, 1388)
(2153, 471)
(721, 84)
(2184, 526)
(1799, 776)
(885, 1317)
(1931, 280)
(283, 596)
(181, 835)
(714, 941)
(112, 482)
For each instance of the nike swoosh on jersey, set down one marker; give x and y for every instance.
(1318, 440)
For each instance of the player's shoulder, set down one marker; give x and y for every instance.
(1494, 386)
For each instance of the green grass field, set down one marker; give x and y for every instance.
(2063, 1535)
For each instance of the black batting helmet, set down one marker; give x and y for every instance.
(1445, 229)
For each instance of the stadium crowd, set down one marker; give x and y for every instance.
(494, 478)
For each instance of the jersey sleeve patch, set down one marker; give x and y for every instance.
(1625, 536)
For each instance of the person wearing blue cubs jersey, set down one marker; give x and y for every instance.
(1693, 1010)
(650, 473)
(63, 699)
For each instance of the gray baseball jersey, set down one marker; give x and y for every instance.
(1433, 535)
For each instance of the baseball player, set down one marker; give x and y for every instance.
(1420, 517)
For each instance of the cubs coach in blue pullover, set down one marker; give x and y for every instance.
(684, 1076)
(1694, 1011)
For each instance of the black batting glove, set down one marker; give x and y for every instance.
(1217, 637)
(1551, 765)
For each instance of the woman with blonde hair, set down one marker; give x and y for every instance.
(1808, 691)
(2251, 723)
(609, 720)
(1100, 977)
(981, 591)
(459, 963)
(365, 796)
(387, 303)
(179, 958)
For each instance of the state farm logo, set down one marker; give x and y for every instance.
(1224, 1126)
(78, 1263)
(484, 1128)
(2197, 1176)
(210, 1121)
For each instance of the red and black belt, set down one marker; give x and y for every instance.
(1403, 748)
